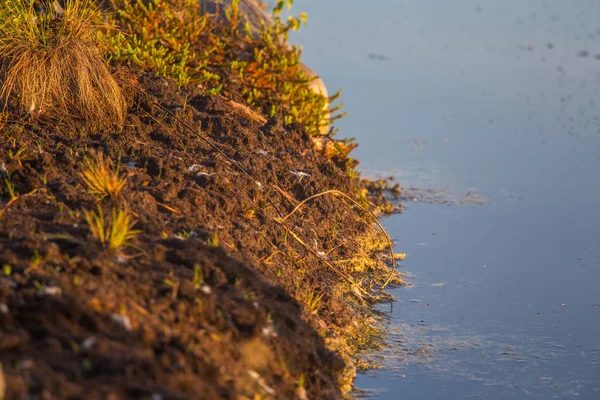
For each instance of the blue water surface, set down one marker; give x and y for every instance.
(502, 99)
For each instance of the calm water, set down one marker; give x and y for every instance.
(503, 98)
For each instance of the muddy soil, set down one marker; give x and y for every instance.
(213, 299)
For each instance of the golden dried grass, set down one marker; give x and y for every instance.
(52, 68)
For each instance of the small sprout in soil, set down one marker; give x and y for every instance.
(17, 156)
(184, 234)
(214, 240)
(100, 178)
(312, 299)
(41, 289)
(86, 365)
(249, 296)
(301, 382)
(75, 214)
(269, 259)
(169, 282)
(74, 346)
(6, 269)
(113, 232)
(36, 259)
(10, 188)
(198, 276)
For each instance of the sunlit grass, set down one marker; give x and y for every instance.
(113, 232)
(101, 179)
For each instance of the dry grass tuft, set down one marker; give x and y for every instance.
(100, 178)
(52, 68)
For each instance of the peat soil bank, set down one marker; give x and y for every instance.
(501, 99)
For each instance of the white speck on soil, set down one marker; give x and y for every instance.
(123, 320)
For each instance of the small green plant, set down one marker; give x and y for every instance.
(198, 276)
(312, 299)
(214, 240)
(113, 232)
(185, 234)
(169, 282)
(36, 259)
(100, 178)
(41, 288)
(10, 188)
(18, 155)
